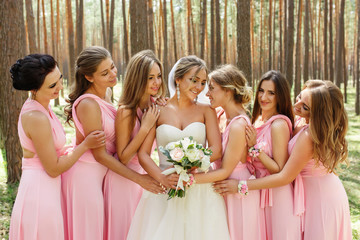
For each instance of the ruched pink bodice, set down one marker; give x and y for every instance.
(37, 210)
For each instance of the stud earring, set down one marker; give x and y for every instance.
(178, 92)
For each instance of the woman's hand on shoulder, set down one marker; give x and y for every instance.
(150, 117)
(162, 101)
(95, 139)
(251, 135)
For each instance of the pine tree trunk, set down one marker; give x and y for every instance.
(46, 49)
(325, 44)
(331, 54)
(298, 53)
(280, 36)
(188, 24)
(270, 37)
(312, 44)
(126, 45)
(70, 31)
(225, 34)
(151, 25)
(79, 27)
(290, 42)
(173, 29)
(212, 41)
(218, 32)
(243, 40)
(12, 38)
(306, 41)
(111, 28)
(38, 25)
(165, 52)
(203, 29)
(104, 33)
(30, 19)
(340, 46)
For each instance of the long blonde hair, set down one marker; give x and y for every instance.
(231, 78)
(136, 78)
(328, 123)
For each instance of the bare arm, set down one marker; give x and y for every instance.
(125, 146)
(213, 133)
(89, 114)
(236, 151)
(38, 128)
(150, 166)
(300, 156)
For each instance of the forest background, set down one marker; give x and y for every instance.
(317, 39)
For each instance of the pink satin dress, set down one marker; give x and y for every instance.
(37, 211)
(122, 196)
(323, 197)
(281, 220)
(245, 218)
(82, 185)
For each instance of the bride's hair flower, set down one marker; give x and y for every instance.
(176, 154)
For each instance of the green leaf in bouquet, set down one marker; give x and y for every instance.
(174, 162)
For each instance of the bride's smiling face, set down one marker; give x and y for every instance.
(191, 85)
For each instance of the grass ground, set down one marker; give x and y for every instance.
(350, 176)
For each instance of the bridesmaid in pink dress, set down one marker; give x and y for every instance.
(315, 151)
(273, 119)
(228, 89)
(82, 185)
(37, 210)
(135, 117)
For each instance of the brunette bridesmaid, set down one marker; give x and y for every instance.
(37, 211)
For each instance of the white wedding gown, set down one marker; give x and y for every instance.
(201, 214)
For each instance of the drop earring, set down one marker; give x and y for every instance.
(178, 92)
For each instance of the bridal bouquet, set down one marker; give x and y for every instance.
(185, 154)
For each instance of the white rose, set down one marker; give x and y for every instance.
(193, 154)
(205, 163)
(170, 146)
(185, 142)
(176, 154)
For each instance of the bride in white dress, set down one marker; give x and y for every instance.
(201, 214)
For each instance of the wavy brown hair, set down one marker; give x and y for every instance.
(86, 65)
(328, 123)
(136, 78)
(232, 79)
(282, 94)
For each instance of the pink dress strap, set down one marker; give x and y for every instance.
(299, 193)
(108, 113)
